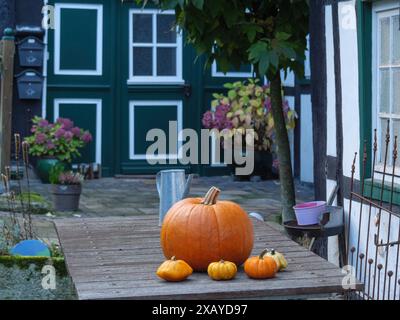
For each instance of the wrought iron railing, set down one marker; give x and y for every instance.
(373, 225)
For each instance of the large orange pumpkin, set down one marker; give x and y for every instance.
(201, 231)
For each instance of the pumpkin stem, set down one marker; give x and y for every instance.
(273, 252)
(263, 253)
(211, 196)
(173, 258)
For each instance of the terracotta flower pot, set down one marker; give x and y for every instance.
(66, 197)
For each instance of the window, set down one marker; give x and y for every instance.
(155, 48)
(246, 71)
(387, 77)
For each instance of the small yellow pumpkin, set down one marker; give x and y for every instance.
(279, 259)
(174, 270)
(222, 270)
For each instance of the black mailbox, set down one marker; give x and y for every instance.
(30, 85)
(30, 52)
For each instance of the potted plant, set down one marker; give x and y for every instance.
(66, 188)
(55, 143)
(247, 105)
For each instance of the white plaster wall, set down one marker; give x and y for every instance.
(291, 133)
(333, 244)
(349, 73)
(306, 143)
(289, 80)
(330, 84)
(368, 215)
(362, 217)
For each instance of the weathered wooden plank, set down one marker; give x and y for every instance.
(148, 276)
(150, 250)
(186, 291)
(139, 258)
(85, 275)
(118, 259)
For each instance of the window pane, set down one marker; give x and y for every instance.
(384, 85)
(396, 40)
(166, 61)
(165, 28)
(142, 28)
(385, 41)
(382, 146)
(142, 61)
(396, 91)
(396, 130)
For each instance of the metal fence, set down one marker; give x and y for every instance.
(373, 223)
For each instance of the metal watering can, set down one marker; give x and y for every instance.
(172, 187)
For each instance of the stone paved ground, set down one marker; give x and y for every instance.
(136, 196)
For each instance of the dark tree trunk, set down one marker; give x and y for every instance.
(282, 140)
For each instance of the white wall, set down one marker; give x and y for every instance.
(306, 143)
(362, 215)
(330, 84)
(350, 87)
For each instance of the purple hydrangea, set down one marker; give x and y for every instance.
(76, 131)
(40, 138)
(59, 133)
(87, 137)
(68, 135)
(43, 123)
(50, 145)
(66, 124)
(208, 121)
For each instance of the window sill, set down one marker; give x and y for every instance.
(376, 191)
(155, 82)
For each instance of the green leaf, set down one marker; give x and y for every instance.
(263, 64)
(257, 50)
(274, 59)
(282, 36)
(232, 94)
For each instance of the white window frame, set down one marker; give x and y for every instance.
(99, 117)
(155, 79)
(380, 10)
(156, 103)
(99, 41)
(218, 74)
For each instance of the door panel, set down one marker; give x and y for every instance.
(154, 68)
(86, 113)
(80, 73)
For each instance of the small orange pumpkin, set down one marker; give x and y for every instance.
(202, 231)
(222, 270)
(174, 270)
(261, 267)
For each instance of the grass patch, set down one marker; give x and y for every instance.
(38, 262)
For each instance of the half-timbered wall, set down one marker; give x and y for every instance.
(351, 100)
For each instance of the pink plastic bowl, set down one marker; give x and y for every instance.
(309, 213)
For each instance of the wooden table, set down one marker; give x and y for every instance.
(116, 258)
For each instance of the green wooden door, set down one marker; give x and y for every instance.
(158, 84)
(80, 73)
(120, 71)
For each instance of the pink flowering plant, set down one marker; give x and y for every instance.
(247, 105)
(61, 139)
